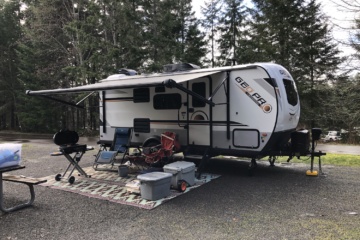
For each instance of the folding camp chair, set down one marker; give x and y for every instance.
(169, 145)
(119, 145)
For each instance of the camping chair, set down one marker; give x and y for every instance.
(119, 145)
(169, 145)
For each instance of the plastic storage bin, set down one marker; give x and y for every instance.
(10, 154)
(181, 170)
(155, 185)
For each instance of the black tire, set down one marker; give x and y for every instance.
(58, 177)
(71, 180)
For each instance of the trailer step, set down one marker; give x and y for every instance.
(191, 156)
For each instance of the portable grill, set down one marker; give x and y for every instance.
(73, 152)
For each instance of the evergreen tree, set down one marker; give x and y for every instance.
(195, 45)
(35, 114)
(275, 24)
(355, 40)
(316, 59)
(345, 112)
(211, 13)
(10, 33)
(121, 32)
(170, 33)
(63, 43)
(160, 32)
(232, 31)
(192, 45)
(295, 35)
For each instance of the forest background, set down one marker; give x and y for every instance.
(46, 44)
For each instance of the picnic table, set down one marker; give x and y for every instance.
(29, 181)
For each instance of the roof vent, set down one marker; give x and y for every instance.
(127, 72)
(178, 67)
(115, 77)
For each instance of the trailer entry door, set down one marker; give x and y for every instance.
(199, 114)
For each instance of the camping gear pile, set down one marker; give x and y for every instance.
(169, 144)
(152, 185)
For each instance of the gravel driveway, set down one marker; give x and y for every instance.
(277, 203)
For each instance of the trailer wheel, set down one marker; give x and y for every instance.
(58, 177)
(182, 185)
(71, 179)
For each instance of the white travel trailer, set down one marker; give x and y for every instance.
(246, 110)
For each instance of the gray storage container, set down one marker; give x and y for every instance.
(154, 185)
(181, 170)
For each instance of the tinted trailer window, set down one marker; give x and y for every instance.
(291, 92)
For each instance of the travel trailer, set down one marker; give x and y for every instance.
(245, 110)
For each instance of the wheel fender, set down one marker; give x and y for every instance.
(154, 138)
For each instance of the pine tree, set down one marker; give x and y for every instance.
(36, 114)
(210, 22)
(121, 32)
(63, 40)
(345, 112)
(191, 42)
(195, 45)
(355, 41)
(295, 35)
(232, 30)
(160, 33)
(316, 59)
(10, 33)
(275, 24)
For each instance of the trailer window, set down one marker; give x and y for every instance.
(271, 81)
(141, 95)
(291, 92)
(199, 88)
(167, 101)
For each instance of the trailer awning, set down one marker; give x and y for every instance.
(128, 82)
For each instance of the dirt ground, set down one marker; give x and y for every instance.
(277, 203)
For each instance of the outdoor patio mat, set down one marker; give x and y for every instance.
(107, 185)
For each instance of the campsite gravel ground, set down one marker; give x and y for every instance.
(277, 203)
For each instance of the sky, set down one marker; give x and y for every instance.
(340, 20)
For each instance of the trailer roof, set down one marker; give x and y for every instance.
(128, 82)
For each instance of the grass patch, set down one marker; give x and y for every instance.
(329, 159)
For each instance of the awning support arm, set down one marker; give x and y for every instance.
(86, 97)
(62, 101)
(171, 83)
(217, 88)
